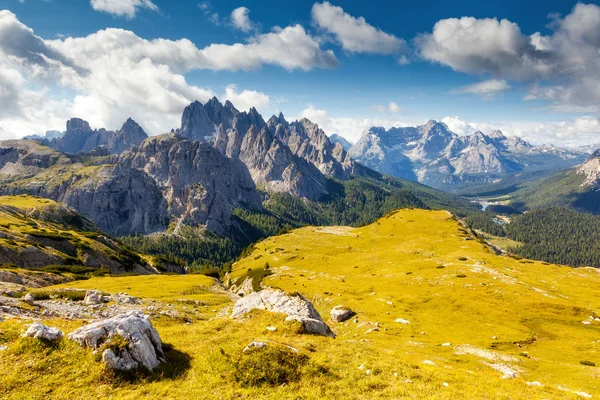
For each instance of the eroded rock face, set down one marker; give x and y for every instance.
(143, 344)
(297, 308)
(93, 297)
(37, 330)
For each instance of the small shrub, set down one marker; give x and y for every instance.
(462, 258)
(461, 276)
(70, 294)
(588, 363)
(440, 267)
(269, 366)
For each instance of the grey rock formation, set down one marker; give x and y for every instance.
(196, 124)
(143, 349)
(80, 138)
(296, 307)
(200, 185)
(29, 299)
(93, 297)
(335, 139)
(37, 330)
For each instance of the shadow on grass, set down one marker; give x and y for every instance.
(177, 365)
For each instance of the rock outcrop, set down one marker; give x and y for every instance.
(129, 341)
(37, 330)
(296, 307)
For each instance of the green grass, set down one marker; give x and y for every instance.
(501, 306)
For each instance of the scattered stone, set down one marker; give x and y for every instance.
(28, 299)
(272, 328)
(428, 362)
(296, 307)
(445, 384)
(446, 344)
(3, 347)
(37, 330)
(402, 321)
(408, 381)
(361, 367)
(368, 372)
(341, 313)
(93, 297)
(254, 345)
(534, 383)
(144, 346)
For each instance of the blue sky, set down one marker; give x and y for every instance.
(347, 64)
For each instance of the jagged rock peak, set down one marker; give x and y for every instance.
(78, 124)
(231, 108)
(497, 134)
(196, 124)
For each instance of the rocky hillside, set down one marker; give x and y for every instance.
(36, 233)
(219, 160)
(437, 157)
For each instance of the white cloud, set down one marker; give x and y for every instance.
(350, 128)
(122, 8)
(246, 99)
(487, 46)
(240, 18)
(392, 107)
(354, 34)
(486, 89)
(572, 132)
(115, 74)
(395, 108)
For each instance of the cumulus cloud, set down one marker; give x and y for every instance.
(350, 128)
(240, 18)
(122, 8)
(246, 99)
(354, 34)
(572, 132)
(115, 74)
(486, 89)
(498, 47)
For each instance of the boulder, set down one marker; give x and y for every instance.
(28, 298)
(340, 313)
(37, 330)
(143, 344)
(296, 307)
(93, 297)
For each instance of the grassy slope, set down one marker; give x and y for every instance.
(27, 221)
(384, 271)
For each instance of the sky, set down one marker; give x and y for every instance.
(529, 70)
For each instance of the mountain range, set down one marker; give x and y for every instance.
(433, 155)
(217, 161)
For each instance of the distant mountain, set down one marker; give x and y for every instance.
(335, 138)
(435, 156)
(577, 188)
(218, 161)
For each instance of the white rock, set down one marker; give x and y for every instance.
(340, 313)
(447, 344)
(254, 345)
(37, 330)
(271, 328)
(402, 321)
(428, 362)
(93, 297)
(28, 298)
(297, 308)
(3, 347)
(445, 384)
(144, 347)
